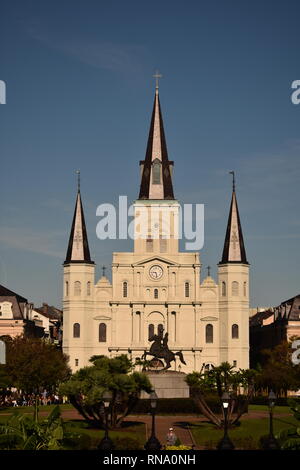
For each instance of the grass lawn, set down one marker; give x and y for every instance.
(277, 409)
(245, 436)
(131, 433)
(133, 430)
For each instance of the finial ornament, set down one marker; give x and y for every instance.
(208, 271)
(78, 179)
(157, 76)
(233, 180)
(103, 270)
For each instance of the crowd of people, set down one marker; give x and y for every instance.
(16, 399)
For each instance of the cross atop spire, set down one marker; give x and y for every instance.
(208, 271)
(157, 76)
(234, 248)
(233, 180)
(103, 270)
(78, 180)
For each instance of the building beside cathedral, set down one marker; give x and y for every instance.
(156, 287)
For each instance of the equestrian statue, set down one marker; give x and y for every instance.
(159, 350)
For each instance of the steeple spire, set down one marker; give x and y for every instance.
(78, 247)
(234, 248)
(156, 180)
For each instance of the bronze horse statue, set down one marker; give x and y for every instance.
(160, 350)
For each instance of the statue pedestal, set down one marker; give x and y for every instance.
(168, 384)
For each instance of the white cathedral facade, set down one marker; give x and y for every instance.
(156, 287)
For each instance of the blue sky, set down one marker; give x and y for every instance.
(80, 94)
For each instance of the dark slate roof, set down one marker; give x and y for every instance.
(166, 174)
(258, 318)
(50, 312)
(86, 250)
(225, 255)
(4, 292)
(290, 309)
(17, 301)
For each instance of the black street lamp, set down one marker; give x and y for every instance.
(106, 443)
(225, 443)
(271, 443)
(153, 443)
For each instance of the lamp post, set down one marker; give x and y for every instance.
(225, 443)
(153, 443)
(271, 443)
(106, 443)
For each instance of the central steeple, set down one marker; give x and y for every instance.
(156, 169)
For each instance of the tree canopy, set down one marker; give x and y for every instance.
(86, 387)
(277, 371)
(32, 365)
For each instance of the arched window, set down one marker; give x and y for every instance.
(235, 331)
(223, 289)
(245, 289)
(235, 288)
(88, 288)
(125, 289)
(156, 293)
(187, 289)
(160, 329)
(209, 333)
(102, 333)
(76, 330)
(77, 288)
(149, 245)
(156, 171)
(67, 288)
(150, 331)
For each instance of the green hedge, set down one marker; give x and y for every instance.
(176, 406)
(167, 405)
(280, 401)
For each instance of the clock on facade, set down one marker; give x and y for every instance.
(156, 272)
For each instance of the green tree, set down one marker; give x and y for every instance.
(277, 372)
(289, 439)
(213, 383)
(32, 365)
(86, 387)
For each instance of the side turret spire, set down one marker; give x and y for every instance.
(78, 247)
(234, 248)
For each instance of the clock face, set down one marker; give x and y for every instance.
(156, 272)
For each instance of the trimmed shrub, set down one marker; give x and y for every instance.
(280, 401)
(167, 405)
(178, 405)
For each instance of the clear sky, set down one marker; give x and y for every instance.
(80, 94)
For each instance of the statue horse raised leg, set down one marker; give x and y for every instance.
(168, 356)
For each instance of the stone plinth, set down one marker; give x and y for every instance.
(168, 384)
